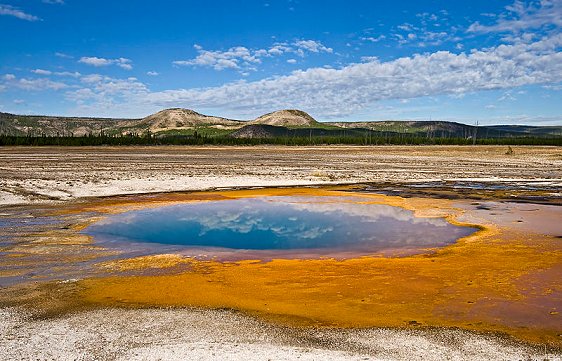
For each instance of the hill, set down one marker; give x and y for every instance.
(272, 131)
(427, 128)
(259, 131)
(528, 129)
(178, 118)
(287, 118)
(38, 125)
(444, 129)
(283, 123)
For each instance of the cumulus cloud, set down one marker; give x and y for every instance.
(73, 74)
(312, 46)
(95, 61)
(57, 73)
(240, 57)
(373, 39)
(427, 31)
(521, 16)
(344, 91)
(123, 63)
(15, 12)
(326, 92)
(11, 81)
(39, 84)
(106, 92)
(337, 92)
(42, 72)
(233, 58)
(152, 73)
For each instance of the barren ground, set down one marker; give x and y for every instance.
(62, 173)
(186, 334)
(31, 177)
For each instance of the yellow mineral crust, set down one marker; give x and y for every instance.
(497, 279)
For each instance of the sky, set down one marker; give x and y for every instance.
(485, 61)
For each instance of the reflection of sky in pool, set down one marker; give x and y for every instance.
(280, 223)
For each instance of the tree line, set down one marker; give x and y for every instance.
(373, 138)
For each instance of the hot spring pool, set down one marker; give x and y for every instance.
(283, 226)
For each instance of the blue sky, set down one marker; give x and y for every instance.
(495, 62)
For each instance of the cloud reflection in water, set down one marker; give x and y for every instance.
(281, 223)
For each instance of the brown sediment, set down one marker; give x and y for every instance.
(498, 279)
(66, 173)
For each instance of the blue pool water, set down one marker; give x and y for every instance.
(327, 224)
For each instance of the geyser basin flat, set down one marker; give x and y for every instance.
(281, 226)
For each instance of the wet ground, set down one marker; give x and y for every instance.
(503, 279)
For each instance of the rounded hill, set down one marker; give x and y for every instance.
(287, 118)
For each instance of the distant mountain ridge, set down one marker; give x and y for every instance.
(173, 119)
(287, 122)
(36, 125)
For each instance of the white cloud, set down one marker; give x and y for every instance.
(92, 78)
(349, 89)
(152, 73)
(63, 55)
(277, 49)
(426, 33)
(292, 61)
(312, 46)
(42, 72)
(95, 61)
(433, 38)
(98, 90)
(40, 84)
(555, 87)
(73, 74)
(337, 92)
(507, 96)
(521, 16)
(369, 59)
(219, 60)
(524, 119)
(427, 16)
(406, 27)
(373, 39)
(58, 2)
(240, 57)
(123, 63)
(11, 81)
(15, 12)
(57, 73)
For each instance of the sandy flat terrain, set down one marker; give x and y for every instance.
(35, 174)
(186, 334)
